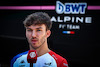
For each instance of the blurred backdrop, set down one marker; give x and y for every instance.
(75, 36)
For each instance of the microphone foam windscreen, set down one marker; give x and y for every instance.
(32, 56)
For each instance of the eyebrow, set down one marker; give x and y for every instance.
(39, 28)
(36, 28)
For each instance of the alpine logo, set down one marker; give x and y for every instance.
(47, 64)
(22, 61)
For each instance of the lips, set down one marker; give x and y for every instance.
(34, 40)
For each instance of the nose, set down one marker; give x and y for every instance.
(33, 34)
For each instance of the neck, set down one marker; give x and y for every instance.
(43, 51)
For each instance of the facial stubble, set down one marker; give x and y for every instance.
(41, 42)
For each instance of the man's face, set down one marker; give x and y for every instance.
(37, 35)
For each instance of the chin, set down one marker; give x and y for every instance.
(35, 46)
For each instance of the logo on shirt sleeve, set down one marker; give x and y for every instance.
(65, 64)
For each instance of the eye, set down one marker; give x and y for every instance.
(38, 30)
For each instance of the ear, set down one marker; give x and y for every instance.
(48, 33)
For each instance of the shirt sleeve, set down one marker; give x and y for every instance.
(64, 63)
(13, 60)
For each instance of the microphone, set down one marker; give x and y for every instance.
(32, 57)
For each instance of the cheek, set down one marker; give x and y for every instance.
(40, 34)
(41, 37)
(28, 35)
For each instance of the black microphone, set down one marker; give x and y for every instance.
(32, 57)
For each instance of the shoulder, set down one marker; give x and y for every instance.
(61, 62)
(17, 56)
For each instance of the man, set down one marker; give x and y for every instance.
(38, 27)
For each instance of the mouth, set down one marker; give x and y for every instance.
(34, 41)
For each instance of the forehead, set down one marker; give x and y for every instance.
(39, 26)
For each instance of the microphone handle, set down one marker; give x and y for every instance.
(31, 64)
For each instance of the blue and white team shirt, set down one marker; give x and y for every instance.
(50, 59)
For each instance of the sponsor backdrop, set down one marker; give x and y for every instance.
(75, 31)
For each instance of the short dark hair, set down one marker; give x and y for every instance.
(38, 18)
